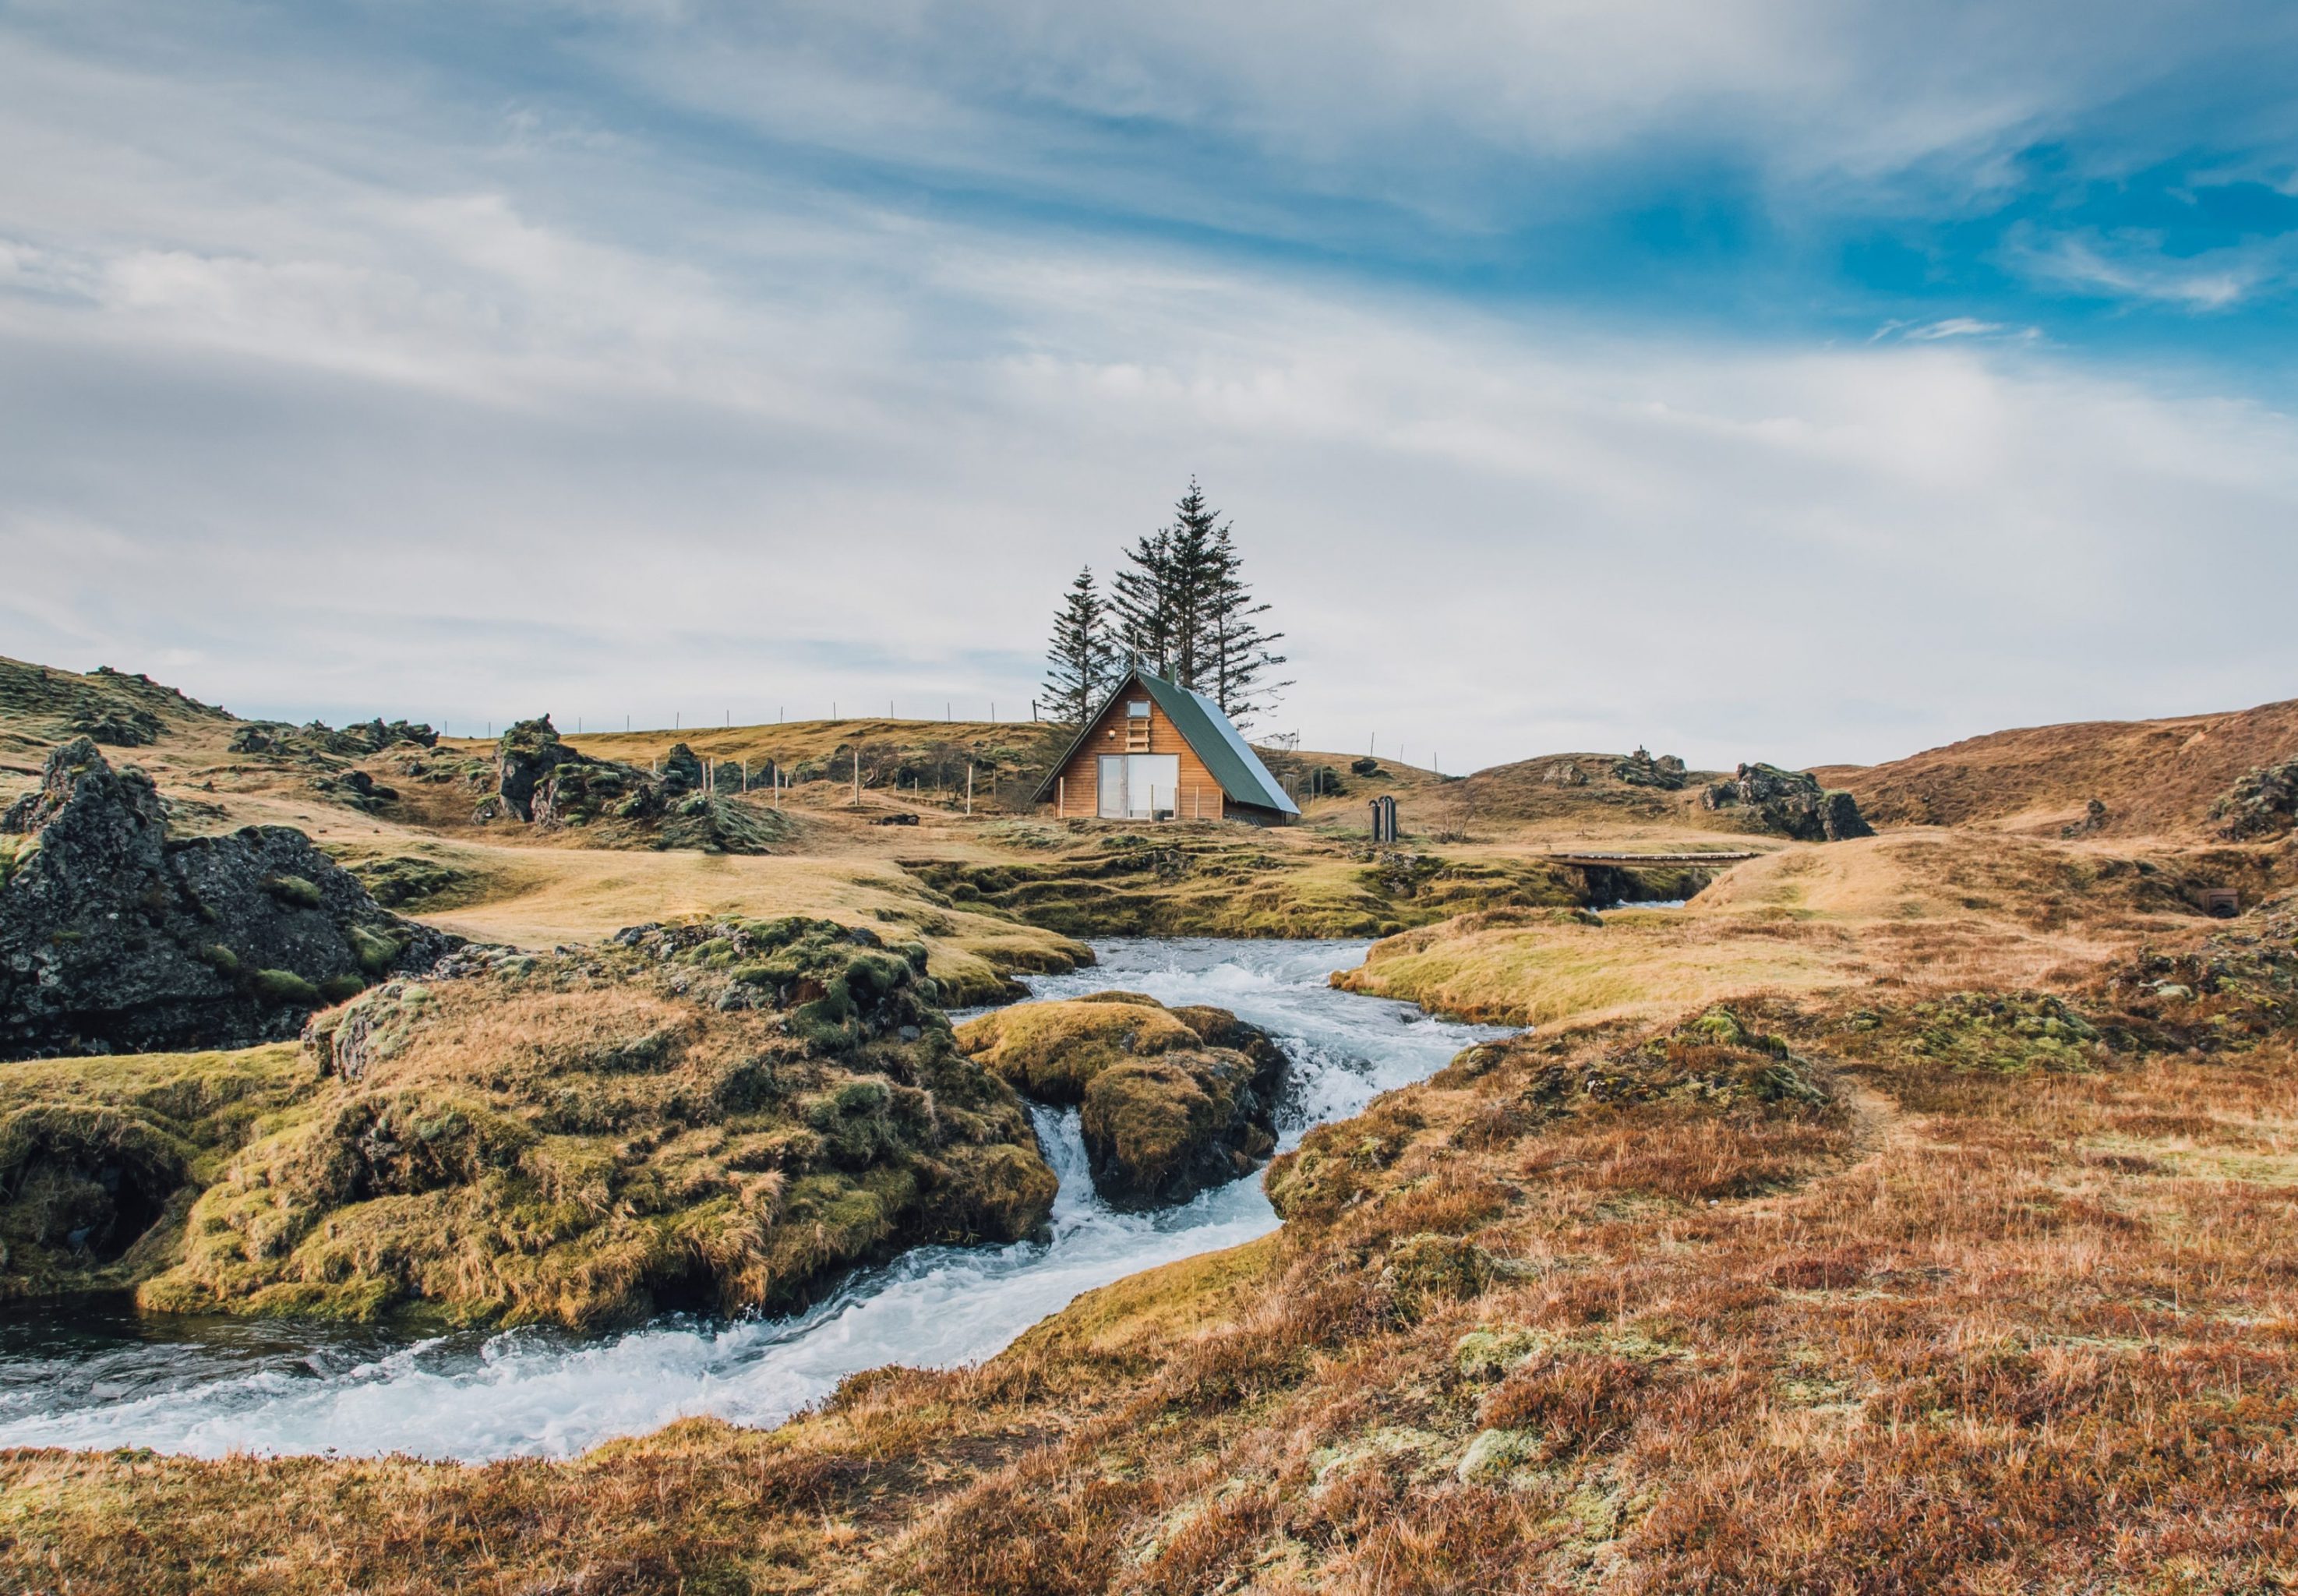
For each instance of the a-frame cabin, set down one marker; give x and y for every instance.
(1155, 750)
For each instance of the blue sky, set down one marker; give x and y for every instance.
(1746, 378)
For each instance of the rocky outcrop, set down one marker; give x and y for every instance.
(1640, 769)
(1790, 802)
(716, 1115)
(115, 937)
(2263, 804)
(317, 738)
(1172, 1101)
(541, 781)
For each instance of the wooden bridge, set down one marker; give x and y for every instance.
(1630, 861)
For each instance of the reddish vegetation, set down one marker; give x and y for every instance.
(2155, 777)
(1975, 1293)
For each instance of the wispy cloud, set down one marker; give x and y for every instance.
(680, 358)
(2135, 265)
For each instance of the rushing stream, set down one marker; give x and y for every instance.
(107, 1378)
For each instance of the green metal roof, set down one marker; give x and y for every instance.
(1223, 749)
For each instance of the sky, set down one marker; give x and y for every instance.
(1796, 380)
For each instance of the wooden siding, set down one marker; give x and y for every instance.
(1078, 793)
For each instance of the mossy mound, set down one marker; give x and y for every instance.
(1052, 1051)
(1715, 1066)
(1172, 1101)
(714, 1115)
(2004, 1033)
(100, 1158)
(1205, 881)
(40, 705)
(402, 880)
(2264, 802)
(1717, 1061)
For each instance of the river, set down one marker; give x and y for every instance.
(104, 1376)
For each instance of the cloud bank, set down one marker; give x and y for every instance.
(662, 360)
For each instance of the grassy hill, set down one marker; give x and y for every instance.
(1907, 1212)
(2157, 777)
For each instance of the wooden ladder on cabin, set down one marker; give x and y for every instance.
(1137, 733)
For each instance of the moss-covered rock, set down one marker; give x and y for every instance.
(1172, 1101)
(2263, 804)
(115, 936)
(712, 1115)
(1790, 802)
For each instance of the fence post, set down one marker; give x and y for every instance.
(1061, 797)
(969, 787)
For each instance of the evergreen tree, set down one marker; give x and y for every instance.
(1164, 600)
(1141, 601)
(1082, 666)
(1184, 611)
(1239, 651)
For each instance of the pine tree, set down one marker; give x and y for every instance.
(1239, 651)
(1164, 597)
(1184, 611)
(1141, 601)
(1080, 658)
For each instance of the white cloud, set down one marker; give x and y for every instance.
(501, 415)
(2134, 265)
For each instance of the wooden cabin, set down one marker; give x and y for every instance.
(1156, 751)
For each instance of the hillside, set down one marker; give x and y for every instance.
(2156, 777)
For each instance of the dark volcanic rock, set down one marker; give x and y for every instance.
(113, 937)
(542, 782)
(1790, 802)
(317, 737)
(526, 758)
(1640, 769)
(2263, 804)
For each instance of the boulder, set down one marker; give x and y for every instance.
(527, 757)
(1790, 802)
(115, 937)
(2263, 804)
(1640, 769)
(1172, 1101)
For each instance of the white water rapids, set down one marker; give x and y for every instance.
(110, 1379)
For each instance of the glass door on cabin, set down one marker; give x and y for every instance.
(1138, 786)
(1152, 784)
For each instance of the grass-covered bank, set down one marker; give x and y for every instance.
(715, 1115)
(1970, 1290)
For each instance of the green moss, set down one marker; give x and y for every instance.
(376, 950)
(284, 987)
(296, 892)
(1052, 1050)
(585, 1139)
(220, 959)
(2005, 1034)
(342, 988)
(114, 1147)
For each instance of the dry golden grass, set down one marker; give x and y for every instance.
(1975, 1297)
(2156, 777)
(1921, 908)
